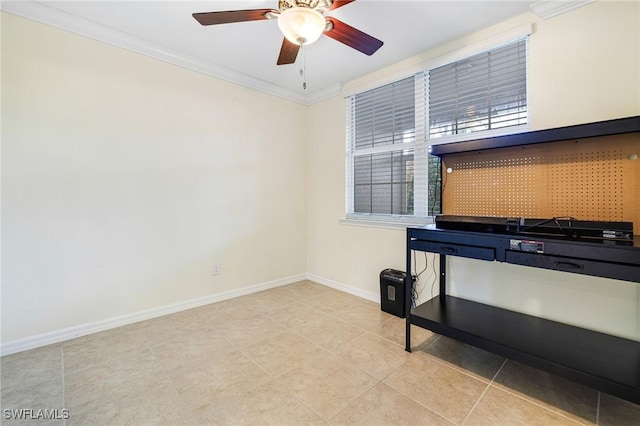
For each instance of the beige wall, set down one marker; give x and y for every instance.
(124, 179)
(584, 67)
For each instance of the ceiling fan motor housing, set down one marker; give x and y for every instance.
(309, 4)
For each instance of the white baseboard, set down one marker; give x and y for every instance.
(61, 335)
(57, 336)
(374, 297)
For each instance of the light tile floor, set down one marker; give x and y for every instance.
(298, 354)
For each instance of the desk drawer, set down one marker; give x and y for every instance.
(473, 252)
(578, 266)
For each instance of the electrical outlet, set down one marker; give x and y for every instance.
(217, 269)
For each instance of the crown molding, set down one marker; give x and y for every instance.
(324, 94)
(40, 12)
(546, 9)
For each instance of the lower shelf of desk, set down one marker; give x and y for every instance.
(608, 363)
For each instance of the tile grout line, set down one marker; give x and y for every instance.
(164, 370)
(64, 395)
(438, 337)
(533, 401)
(357, 399)
(598, 408)
(412, 398)
(486, 389)
(537, 404)
(274, 378)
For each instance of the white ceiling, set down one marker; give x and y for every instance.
(246, 52)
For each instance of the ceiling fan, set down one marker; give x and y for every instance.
(302, 22)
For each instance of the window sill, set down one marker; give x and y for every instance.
(384, 224)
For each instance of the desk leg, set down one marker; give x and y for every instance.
(408, 294)
(443, 277)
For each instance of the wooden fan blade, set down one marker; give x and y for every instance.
(230, 16)
(353, 37)
(288, 52)
(339, 3)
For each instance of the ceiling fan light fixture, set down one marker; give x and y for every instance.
(301, 25)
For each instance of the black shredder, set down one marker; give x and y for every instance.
(392, 292)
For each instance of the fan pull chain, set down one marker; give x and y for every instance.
(303, 70)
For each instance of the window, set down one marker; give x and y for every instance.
(390, 174)
(483, 92)
(383, 157)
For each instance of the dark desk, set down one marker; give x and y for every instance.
(608, 363)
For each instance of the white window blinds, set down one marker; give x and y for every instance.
(386, 150)
(482, 92)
